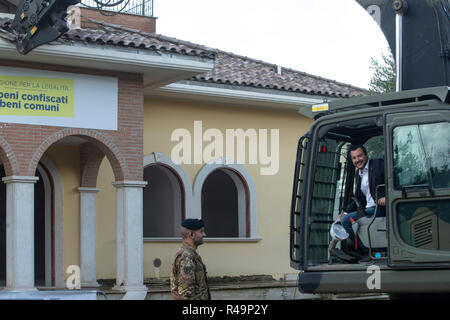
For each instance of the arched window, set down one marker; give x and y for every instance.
(226, 198)
(162, 202)
(224, 205)
(166, 196)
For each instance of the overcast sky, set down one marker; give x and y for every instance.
(333, 39)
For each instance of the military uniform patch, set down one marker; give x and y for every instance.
(188, 280)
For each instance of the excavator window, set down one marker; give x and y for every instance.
(334, 179)
(421, 157)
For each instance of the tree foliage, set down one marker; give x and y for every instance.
(384, 74)
(375, 147)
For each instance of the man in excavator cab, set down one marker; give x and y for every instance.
(369, 200)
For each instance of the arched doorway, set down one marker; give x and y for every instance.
(2, 229)
(39, 231)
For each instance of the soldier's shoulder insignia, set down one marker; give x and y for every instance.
(187, 269)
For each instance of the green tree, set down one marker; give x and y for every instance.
(384, 74)
(375, 147)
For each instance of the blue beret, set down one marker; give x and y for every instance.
(193, 224)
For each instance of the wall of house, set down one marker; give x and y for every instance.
(106, 223)
(67, 161)
(29, 141)
(23, 145)
(270, 255)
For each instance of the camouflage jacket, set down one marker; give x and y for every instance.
(188, 280)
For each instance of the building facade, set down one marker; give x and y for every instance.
(110, 136)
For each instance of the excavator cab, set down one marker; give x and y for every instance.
(409, 246)
(334, 186)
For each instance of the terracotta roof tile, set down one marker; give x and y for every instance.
(228, 68)
(109, 34)
(243, 71)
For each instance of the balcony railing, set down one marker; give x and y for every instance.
(137, 7)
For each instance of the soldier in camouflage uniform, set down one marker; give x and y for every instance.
(188, 280)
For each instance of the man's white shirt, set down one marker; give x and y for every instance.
(365, 188)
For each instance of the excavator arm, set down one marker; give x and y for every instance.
(39, 21)
(425, 58)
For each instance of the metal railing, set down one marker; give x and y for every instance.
(137, 7)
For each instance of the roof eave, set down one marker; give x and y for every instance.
(157, 68)
(234, 95)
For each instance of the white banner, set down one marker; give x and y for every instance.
(50, 98)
